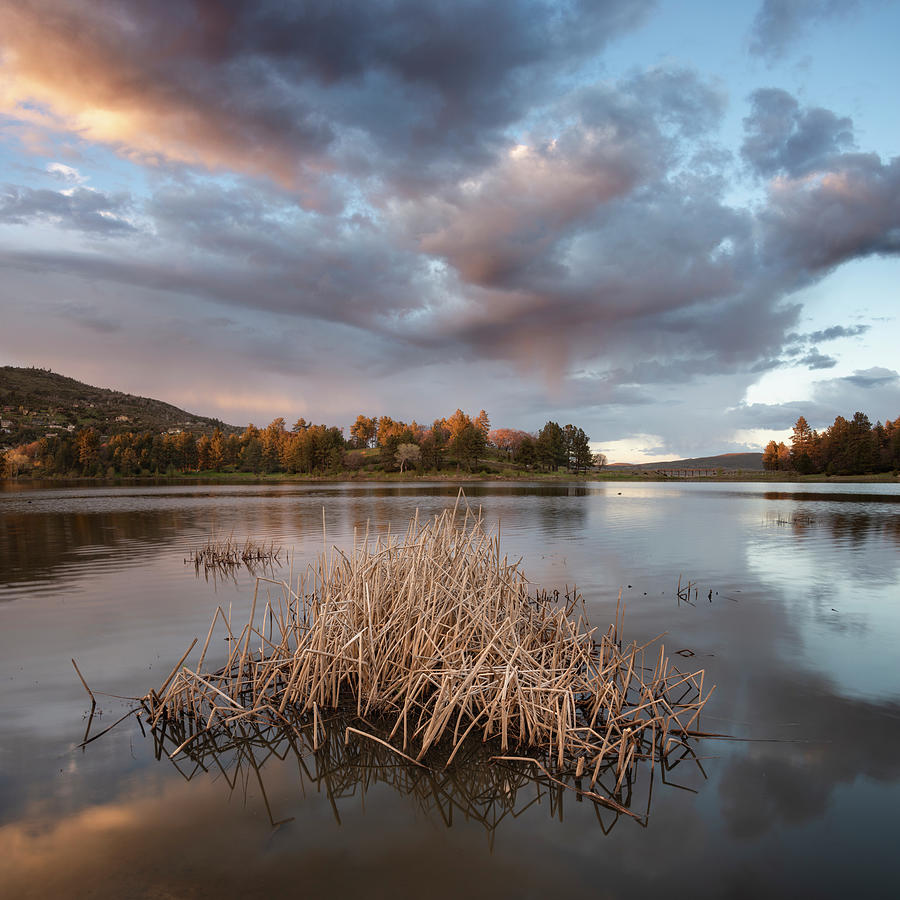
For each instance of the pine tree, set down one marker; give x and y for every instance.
(802, 447)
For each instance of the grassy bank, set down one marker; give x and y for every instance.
(455, 477)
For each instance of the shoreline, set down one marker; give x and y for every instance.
(736, 477)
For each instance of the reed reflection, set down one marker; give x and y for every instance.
(482, 784)
(853, 529)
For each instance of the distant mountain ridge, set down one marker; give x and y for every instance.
(35, 402)
(729, 461)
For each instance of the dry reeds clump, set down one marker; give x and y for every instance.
(227, 553)
(439, 637)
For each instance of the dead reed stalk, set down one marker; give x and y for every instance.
(227, 553)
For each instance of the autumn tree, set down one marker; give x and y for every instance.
(216, 451)
(204, 461)
(890, 445)
(507, 440)
(770, 457)
(784, 456)
(128, 462)
(88, 443)
(389, 432)
(186, 451)
(456, 423)
(599, 460)
(271, 439)
(250, 456)
(232, 450)
(363, 430)
(483, 423)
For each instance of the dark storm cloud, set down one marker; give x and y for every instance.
(80, 209)
(427, 173)
(781, 22)
(781, 137)
(602, 241)
(293, 90)
(511, 227)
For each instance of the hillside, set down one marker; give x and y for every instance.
(35, 402)
(746, 462)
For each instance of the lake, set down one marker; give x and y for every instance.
(794, 615)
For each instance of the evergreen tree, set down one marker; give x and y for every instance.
(551, 447)
(581, 451)
(468, 444)
(483, 423)
(802, 447)
(526, 452)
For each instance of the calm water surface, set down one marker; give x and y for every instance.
(800, 636)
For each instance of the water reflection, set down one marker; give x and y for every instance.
(482, 783)
(845, 496)
(800, 639)
(34, 547)
(827, 740)
(845, 528)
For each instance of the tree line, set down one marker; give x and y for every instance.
(382, 443)
(848, 447)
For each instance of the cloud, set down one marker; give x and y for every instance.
(783, 138)
(294, 92)
(420, 187)
(65, 173)
(875, 391)
(835, 332)
(507, 225)
(877, 376)
(599, 242)
(602, 235)
(816, 360)
(848, 211)
(79, 209)
(94, 318)
(779, 23)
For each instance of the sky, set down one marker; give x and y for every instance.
(673, 224)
